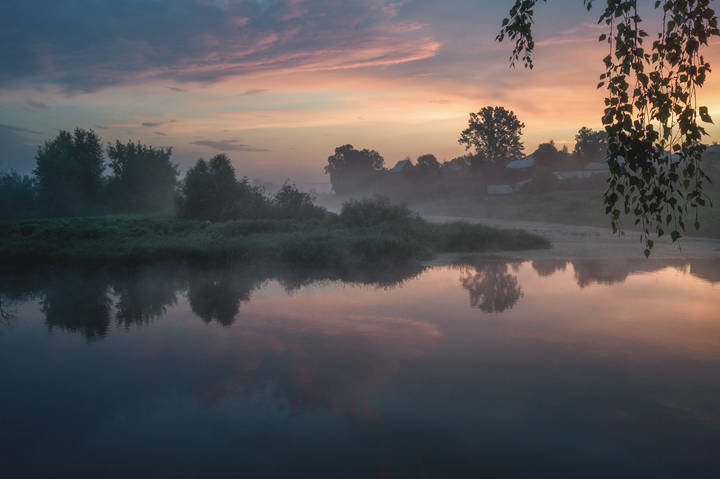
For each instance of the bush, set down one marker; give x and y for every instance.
(249, 202)
(290, 202)
(370, 212)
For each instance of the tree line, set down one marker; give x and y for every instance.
(493, 138)
(69, 180)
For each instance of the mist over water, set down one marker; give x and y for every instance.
(484, 366)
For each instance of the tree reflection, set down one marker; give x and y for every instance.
(78, 302)
(144, 295)
(492, 287)
(548, 267)
(216, 295)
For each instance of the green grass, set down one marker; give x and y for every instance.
(322, 242)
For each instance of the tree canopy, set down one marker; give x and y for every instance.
(494, 133)
(652, 116)
(352, 170)
(591, 144)
(69, 173)
(143, 177)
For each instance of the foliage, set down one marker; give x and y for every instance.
(353, 170)
(427, 166)
(546, 154)
(369, 212)
(320, 242)
(69, 173)
(293, 203)
(143, 178)
(591, 145)
(494, 133)
(17, 195)
(211, 191)
(651, 115)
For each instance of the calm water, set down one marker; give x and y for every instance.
(485, 368)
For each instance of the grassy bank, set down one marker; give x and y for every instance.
(321, 242)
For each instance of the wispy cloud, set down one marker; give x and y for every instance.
(227, 145)
(254, 91)
(19, 129)
(203, 43)
(151, 123)
(38, 105)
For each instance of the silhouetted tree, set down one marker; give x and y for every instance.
(427, 166)
(590, 145)
(69, 173)
(17, 195)
(143, 177)
(546, 155)
(211, 191)
(494, 133)
(293, 203)
(353, 170)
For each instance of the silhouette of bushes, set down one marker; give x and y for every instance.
(370, 212)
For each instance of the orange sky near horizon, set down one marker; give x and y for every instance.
(403, 84)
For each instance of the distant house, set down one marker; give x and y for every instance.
(401, 166)
(507, 189)
(524, 164)
(576, 175)
(596, 166)
(591, 169)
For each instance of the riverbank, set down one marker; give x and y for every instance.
(321, 242)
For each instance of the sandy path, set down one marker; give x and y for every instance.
(570, 242)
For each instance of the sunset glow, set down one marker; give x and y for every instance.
(278, 84)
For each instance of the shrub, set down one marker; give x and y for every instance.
(370, 212)
(293, 203)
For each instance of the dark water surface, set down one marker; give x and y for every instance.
(484, 368)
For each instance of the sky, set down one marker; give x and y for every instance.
(278, 84)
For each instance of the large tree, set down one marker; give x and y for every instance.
(591, 145)
(143, 178)
(69, 173)
(353, 170)
(211, 191)
(494, 133)
(652, 116)
(547, 155)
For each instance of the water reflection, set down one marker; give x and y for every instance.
(77, 302)
(144, 296)
(384, 373)
(82, 302)
(492, 286)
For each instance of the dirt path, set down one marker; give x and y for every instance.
(570, 242)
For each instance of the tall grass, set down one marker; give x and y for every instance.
(366, 231)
